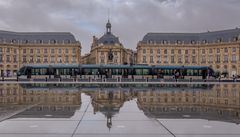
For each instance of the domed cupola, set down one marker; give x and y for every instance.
(108, 38)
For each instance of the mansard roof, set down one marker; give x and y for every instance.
(187, 38)
(108, 38)
(36, 37)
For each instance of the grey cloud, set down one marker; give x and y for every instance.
(131, 19)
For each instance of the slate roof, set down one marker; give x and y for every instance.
(108, 38)
(206, 37)
(36, 37)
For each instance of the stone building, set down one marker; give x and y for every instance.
(108, 50)
(21, 48)
(212, 102)
(219, 50)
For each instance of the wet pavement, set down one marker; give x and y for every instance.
(74, 110)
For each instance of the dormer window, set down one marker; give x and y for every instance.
(164, 42)
(193, 42)
(39, 41)
(179, 41)
(14, 41)
(25, 41)
(219, 40)
(67, 41)
(53, 41)
(204, 41)
(235, 39)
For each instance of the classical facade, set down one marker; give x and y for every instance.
(212, 102)
(18, 49)
(108, 50)
(219, 50)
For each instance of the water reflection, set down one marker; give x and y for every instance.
(210, 102)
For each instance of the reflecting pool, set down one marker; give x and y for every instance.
(122, 110)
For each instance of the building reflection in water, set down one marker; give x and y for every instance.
(210, 102)
(217, 102)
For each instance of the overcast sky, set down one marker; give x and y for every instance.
(131, 19)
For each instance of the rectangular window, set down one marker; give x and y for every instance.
(45, 51)
(172, 59)
(59, 51)
(52, 51)
(234, 58)
(225, 60)
(225, 50)
(8, 50)
(73, 59)
(193, 51)
(45, 59)
(1, 58)
(15, 51)
(179, 51)
(218, 50)
(66, 51)
(194, 59)
(234, 50)
(179, 59)
(52, 59)
(38, 59)
(15, 58)
(186, 59)
(158, 59)
(66, 59)
(24, 51)
(74, 50)
(210, 51)
(203, 59)
(151, 59)
(151, 51)
(218, 59)
(31, 59)
(1, 49)
(186, 51)
(59, 59)
(165, 59)
(165, 51)
(31, 51)
(24, 59)
(144, 59)
(210, 59)
(159, 51)
(144, 51)
(172, 51)
(8, 60)
(38, 51)
(203, 51)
